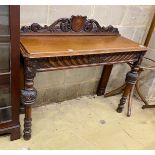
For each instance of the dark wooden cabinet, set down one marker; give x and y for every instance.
(9, 70)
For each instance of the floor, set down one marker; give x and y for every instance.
(88, 123)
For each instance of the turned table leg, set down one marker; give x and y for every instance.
(104, 79)
(27, 123)
(130, 80)
(28, 95)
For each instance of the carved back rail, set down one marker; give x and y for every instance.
(76, 25)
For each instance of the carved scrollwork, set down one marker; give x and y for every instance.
(30, 68)
(88, 26)
(35, 27)
(64, 26)
(73, 24)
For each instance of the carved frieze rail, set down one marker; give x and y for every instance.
(73, 24)
(56, 63)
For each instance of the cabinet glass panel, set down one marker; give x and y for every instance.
(4, 57)
(5, 115)
(4, 10)
(5, 98)
(4, 90)
(4, 20)
(4, 23)
(5, 73)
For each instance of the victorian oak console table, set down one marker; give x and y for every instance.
(71, 43)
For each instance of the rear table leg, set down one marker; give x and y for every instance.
(104, 79)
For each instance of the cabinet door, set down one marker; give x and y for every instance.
(5, 63)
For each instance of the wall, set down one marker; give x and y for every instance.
(132, 22)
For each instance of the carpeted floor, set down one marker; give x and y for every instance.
(88, 123)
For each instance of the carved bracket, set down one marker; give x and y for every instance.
(73, 24)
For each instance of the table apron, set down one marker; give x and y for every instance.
(69, 62)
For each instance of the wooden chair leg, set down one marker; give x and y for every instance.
(130, 101)
(115, 91)
(147, 105)
(142, 97)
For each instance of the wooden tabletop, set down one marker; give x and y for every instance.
(52, 46)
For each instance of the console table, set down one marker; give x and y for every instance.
(70, 43)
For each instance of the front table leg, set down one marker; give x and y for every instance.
(28, 95)
(130, 80)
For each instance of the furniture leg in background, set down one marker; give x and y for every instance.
(28, 95)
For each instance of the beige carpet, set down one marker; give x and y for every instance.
(88, 123)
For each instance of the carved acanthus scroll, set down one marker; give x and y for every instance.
(73, 24)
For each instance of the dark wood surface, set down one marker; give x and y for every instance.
(13, 126)
(71, 43)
